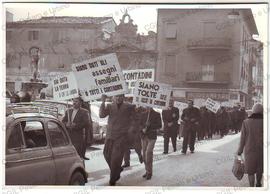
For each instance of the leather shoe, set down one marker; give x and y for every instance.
(183, 152)
(148, 176)
(112, 183)
(85, 158)
(144, 176)
(165, 152)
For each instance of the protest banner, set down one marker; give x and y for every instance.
(152, 94)
(131, 76)
(100, 75)
(212, 105)
(65, 87)
(180, 105)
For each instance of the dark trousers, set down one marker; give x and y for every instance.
(189, 139)
(127, 155)
(166, 142)
(78, 142)
(201, 134)
(113, 153)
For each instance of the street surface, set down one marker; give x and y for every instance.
(210, 165)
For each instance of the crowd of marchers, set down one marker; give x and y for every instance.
(135, 127)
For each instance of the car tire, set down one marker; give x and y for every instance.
(77, 179)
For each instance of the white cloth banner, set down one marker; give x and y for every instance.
(131, 76)
(101, 75)
(65, 87)
(212, 105)
(152, 94)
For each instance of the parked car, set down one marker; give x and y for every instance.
(99, 125)
(8, 97)
(161, 130)
(39, 150)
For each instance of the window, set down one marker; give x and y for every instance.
(57, 135)
(9, 35)
(33, 35)
(170, 64)
(15, 139)
(84, 36)
(208, 72)
(171, 30)
(34, 134)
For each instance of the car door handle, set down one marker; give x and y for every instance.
(29, 159)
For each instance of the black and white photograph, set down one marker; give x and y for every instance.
(158, 95)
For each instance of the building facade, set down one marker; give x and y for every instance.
(60, 40)
(63, 41)
(203, 53)
(134, 51)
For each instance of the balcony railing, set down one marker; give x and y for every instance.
(208, 77)
(209, 43)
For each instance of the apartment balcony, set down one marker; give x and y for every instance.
(207, 78)
(209, 43)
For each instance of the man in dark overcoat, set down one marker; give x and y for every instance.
(222, 121)
(204, 123)
(170, 119)
(191, 118)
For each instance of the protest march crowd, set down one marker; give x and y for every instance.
(135, 122)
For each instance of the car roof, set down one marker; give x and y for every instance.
(55, 101)
(32, 115)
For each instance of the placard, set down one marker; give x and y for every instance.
(65, 87)
(101, 75)
(180, 105)
(212, 105)
(131, 76)
(152, 94)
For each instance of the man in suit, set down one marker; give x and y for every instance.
(152, 122)
(191, 118)
(88, 132)
(76, 120)
(170, 119)
(120, 115)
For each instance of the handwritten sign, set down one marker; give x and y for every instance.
(65, 87)
(131, 76)
(212, 105)
(152, 94)
(180, 105)
(101, 75)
